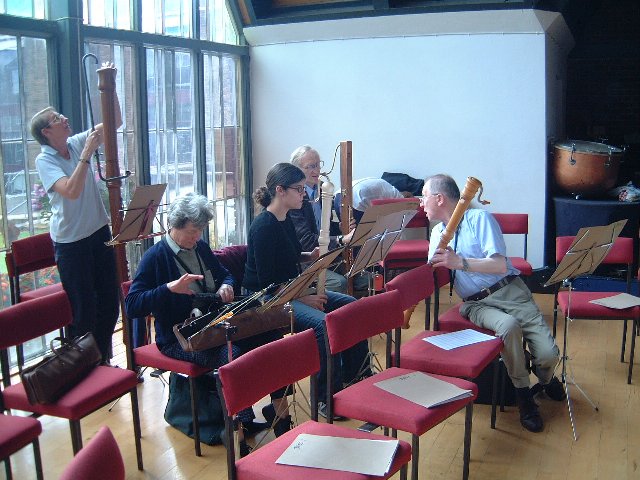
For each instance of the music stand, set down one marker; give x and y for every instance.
(139, 216)
(590, 246)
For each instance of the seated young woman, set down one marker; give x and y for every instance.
(274, 256)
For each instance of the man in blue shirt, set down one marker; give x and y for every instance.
(494, 296)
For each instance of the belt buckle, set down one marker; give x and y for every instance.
(486, 291)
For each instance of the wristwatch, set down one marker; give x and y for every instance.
(465, 265)
(85, 160)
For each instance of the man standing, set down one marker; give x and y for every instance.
(306, 220)
(494, 296)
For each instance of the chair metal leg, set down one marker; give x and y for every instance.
(76, 436)
(137, 431)
(427, 313)
(624, 341)
(633, 348)
(415, 456)
(38, 459)
(403, 472)
(7, 468)
(468, 423)
(194, 414)
(494, 390)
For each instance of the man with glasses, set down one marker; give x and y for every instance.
(494, 296)
(307, 219)
(79, 225)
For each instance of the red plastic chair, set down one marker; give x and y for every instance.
(29, 255)
(357, 321)
(252, 376)
(518, 224)
(621, 253)
(150, 356)
(15, 434)
(407, 254)
(35, 318)
(100, 459)
(465, 362)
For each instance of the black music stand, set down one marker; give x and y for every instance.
(590, 246)
(138, 219)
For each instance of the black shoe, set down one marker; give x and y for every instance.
(245, 449)
(529, 415)
(555, 390)
(282, 426)
(254, 427)
(322, 411)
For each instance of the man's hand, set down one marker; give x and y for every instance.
(181, 285)
(226, 293)
(314, 301)
(446, 257)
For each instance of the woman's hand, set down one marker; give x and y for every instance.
(94, 140)
(226, 293)
(314, 301)
(181, 285)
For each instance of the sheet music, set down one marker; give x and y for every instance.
(357, 455)
(462, 338)
(619, 302)
(423, 389)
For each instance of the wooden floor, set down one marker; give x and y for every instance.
(608, 445)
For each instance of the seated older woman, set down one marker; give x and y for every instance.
(171, 272)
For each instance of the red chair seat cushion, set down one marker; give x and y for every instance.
(522, 265)
(150, 356)
(261, 463)
(366, 402)
(465, 362)
(582, 308)
(452, 321)
(407, 254)
(16, 433)
(40, 292)
(101, 386)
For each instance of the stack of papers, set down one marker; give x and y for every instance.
(423, 389)
(619, 302)
(357, 455)
(462, 338)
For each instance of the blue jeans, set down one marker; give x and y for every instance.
(347, 364)
(89, 276)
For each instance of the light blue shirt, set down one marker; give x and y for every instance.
(71, 220)
(312, 193)
(478, 236)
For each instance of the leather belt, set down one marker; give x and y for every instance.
(485, 292)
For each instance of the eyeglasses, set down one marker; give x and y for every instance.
(297, 188)
(57, 118)
(424, 198)
(313, 166)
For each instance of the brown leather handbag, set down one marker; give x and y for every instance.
(59, 372)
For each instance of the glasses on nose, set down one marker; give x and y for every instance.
(424, 198)
(313, 166)
(57, 118)
(297, 188)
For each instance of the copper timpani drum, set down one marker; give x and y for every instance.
(586, 168)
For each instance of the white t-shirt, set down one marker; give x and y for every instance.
(71, 220)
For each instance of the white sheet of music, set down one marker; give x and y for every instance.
(461, 338)
(423, 389)
(357, 455)
(619, 302)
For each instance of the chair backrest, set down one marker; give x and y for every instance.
(233, 258)
(514, 223)
(414, 285)
(100, 458)
(32, 319)
(419, 220)
(364, 318)
(621, 252)
(28, 255)
(267, 368)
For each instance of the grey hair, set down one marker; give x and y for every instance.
(300, 152)
(39, 122)
(192, 208)
(445, 185)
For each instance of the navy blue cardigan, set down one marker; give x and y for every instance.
(149, 293)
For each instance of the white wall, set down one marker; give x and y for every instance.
(459, 93)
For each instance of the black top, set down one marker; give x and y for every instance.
(273, 254)
(304, 222)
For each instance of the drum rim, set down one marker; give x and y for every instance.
(568, 145)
